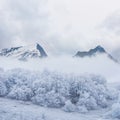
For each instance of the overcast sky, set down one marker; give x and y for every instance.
(61, 26)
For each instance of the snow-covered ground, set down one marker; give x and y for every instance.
(19, 110)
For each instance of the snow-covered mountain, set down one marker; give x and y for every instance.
(93, 52)
(24, 52)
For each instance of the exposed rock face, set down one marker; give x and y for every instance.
(93, 52)
(41, 50)
(24, 52)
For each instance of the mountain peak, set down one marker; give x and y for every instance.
(41, 50)
(91, 52)
(100, 49)
(24, 52)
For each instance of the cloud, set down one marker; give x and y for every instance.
(109, 33)
(100, 65)
(22, 21)
(62, 26)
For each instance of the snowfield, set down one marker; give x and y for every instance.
(18, 110)
(57, 96)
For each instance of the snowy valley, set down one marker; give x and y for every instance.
(59, 59)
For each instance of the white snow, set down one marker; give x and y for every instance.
(18, 110)
(24, 52)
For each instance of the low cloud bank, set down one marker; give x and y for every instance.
(66, 64)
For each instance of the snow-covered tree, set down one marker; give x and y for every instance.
(53, 89)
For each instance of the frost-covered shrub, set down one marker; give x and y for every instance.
(113, 93)
(69, 106)
(82, 109)
(3, 89)
(90, 91)
(15, 76)
(50, 99)
(52, 89)
(21, 93)
(114, 112)
(89, 103)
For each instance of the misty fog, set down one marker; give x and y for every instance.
(100, 65)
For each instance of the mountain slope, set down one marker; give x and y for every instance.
(24, 52)
(93, 52)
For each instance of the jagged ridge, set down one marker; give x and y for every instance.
(93, 52)
(24, 52)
